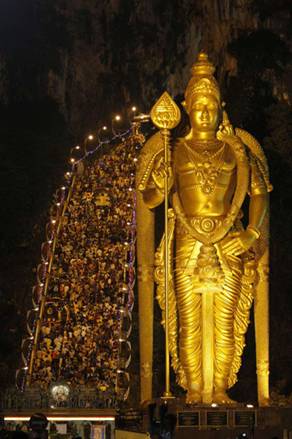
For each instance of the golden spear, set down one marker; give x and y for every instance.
(165, 114)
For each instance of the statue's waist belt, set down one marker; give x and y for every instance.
(205, 224)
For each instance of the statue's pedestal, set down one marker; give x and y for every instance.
(240, 421)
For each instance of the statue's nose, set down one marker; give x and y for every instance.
(205, 114)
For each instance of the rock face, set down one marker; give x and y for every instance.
(98, 57)
(70, 65)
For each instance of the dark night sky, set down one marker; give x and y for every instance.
(102, 56)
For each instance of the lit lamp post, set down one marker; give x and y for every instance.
(89, 145)
(117, 119)
(103, 130)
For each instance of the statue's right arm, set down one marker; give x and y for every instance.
(153, 194)
(151, 174)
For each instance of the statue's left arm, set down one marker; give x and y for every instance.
(258, 205)
(258, 198)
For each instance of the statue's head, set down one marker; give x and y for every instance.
(202, 96)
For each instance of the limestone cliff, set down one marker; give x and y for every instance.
(97, 57)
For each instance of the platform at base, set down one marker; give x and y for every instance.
(86, 423)
(208, 422)
(191, 421)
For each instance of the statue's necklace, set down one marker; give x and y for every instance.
(207, 165)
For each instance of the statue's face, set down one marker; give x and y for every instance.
(204, 115)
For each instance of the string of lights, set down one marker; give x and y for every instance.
(123, 377)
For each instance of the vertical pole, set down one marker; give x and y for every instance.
(261, 316)
(165, 135)
(145, 256)
(145, 263)
(261, 312)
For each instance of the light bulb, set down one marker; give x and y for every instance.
(104, 128)
(90, 137)
(118, 117)
(134, 108)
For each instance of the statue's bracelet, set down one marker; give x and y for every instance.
(255, 231)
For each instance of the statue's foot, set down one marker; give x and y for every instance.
(221, 398)
(264, 402)
(194, 397)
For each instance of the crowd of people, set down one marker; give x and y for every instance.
(88, 285)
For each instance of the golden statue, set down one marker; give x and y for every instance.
(215, 267)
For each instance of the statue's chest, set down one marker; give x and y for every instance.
(204, 170)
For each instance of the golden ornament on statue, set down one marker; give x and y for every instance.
(165, 114)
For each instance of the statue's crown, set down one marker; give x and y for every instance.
(203, 66)
(202, 81)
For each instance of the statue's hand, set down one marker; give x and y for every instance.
(239, 243)
(226, 133)
(159, 172)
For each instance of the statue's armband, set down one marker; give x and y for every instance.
(257, 185)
